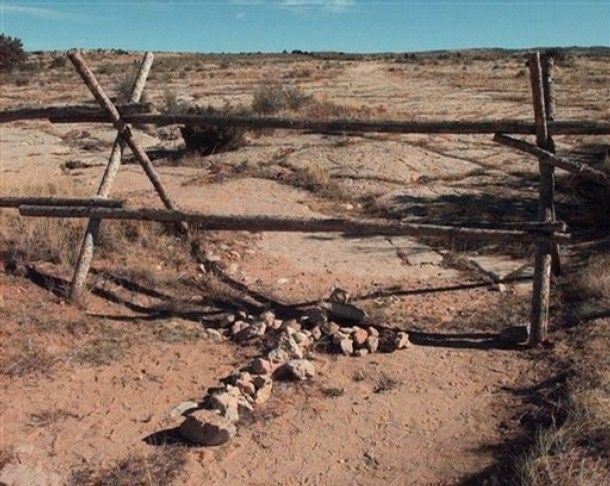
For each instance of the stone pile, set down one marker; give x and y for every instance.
(287, 346)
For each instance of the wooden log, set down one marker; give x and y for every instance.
(547, 84)
(577, 168)
(16, 201)
(558, 226)
(542, 262)
(549, 106)
(576, 127)
(69, 111)
(85, 255)
(121, 126)
(359, 227)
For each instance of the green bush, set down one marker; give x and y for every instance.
(12, 54)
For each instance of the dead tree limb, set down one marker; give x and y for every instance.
(85, 255)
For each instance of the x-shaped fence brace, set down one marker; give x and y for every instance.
(124, 137)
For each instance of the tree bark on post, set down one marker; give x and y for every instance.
(546, 210)
(85, 255)
(549, 106)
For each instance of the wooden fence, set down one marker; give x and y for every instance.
(547, 233)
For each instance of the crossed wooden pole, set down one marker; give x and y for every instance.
(547, 253)
(124, 137)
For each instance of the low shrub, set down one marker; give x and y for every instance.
(12, 54)
(124, 87)
(209, 139)
(277, 97)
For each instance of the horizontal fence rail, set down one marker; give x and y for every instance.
(576, 127)
(564, 163)
(360, 227)
(72, 111)
(15, 202)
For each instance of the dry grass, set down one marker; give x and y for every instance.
(178, 331)
(594, 279)
(42, 239)
(29, 358)
(57, 240)
(6, 457)
(575, 449)
(324, 109)
(160, 467)
(277, 97)
(317, 179)
(49, 417)
(386, 382)
(333, 391)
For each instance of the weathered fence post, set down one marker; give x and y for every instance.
(549, 105)
(546, 210)
(114, 162)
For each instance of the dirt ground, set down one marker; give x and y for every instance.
(86, 387)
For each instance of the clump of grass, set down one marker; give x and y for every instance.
(55, 240)
(49, 417)
(333, 391)
(100, 351)
(178, 331)
(325, 109)
(386, 382)
(6, 456)
(171, 103)
(30, 358)
(359, 375)
(573, 449)
(39, 239)
(160, 467)
(42, 239)
(277, 97)
(115, 236)
(317, 179)
(594, 279)
(124, 87)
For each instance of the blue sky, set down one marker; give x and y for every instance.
(341, 25)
